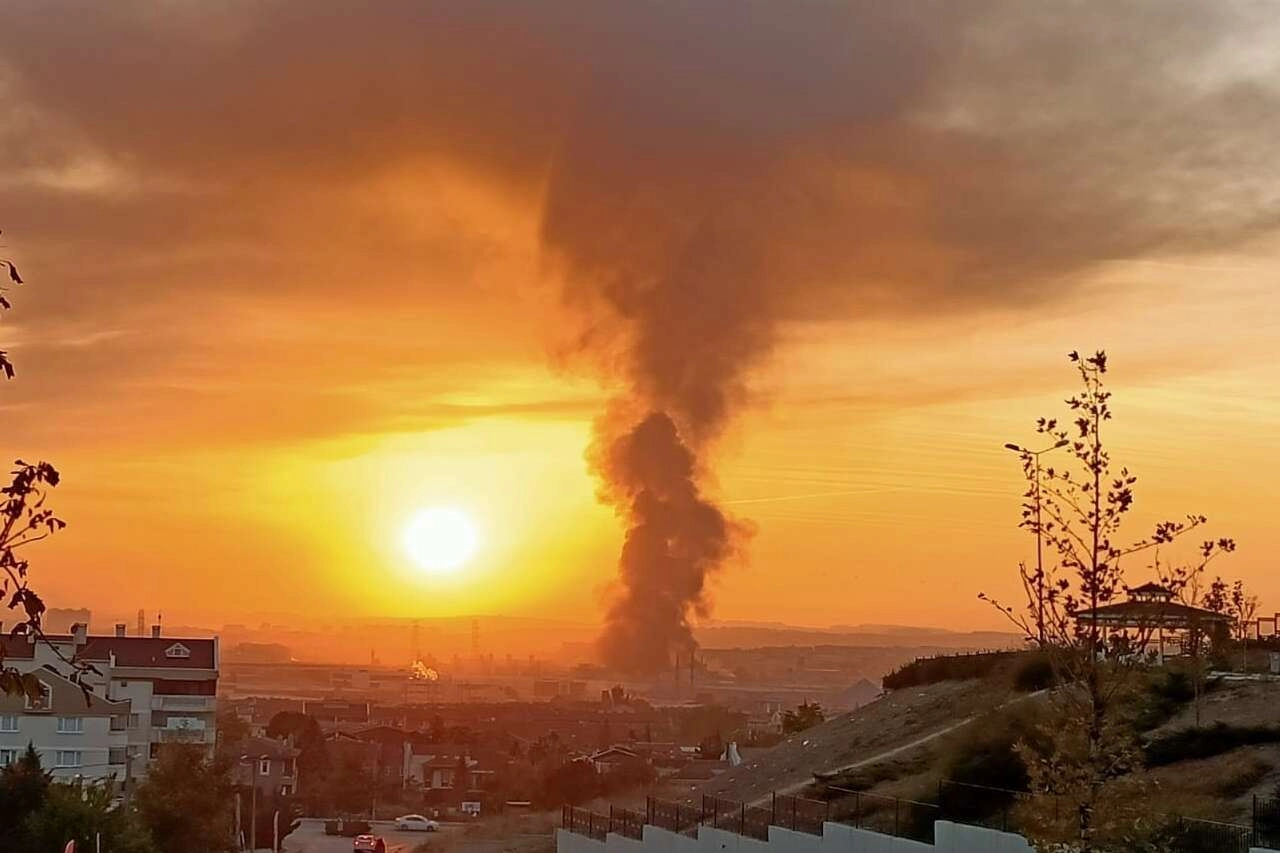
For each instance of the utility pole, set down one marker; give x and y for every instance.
(128, 779)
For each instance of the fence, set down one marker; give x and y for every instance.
(672, 817)
(799, 814)
(980, 805)
(894, 816)
(750, 821)
(1266, 822)
(626, 822)
(584, 822)
(1190, 835)
(975, 805)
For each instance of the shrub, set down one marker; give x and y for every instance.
(932, 670)
(1186, 744)
(1166, 693)
(1034, 673)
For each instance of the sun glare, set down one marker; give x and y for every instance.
(441, 539)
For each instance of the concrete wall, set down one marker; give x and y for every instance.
(571, 842)
(789, 841)
(712, 840)
(958, 838)
(657, 840)
(615, 843)
(836, 838)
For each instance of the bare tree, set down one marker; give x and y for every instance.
(1076, 511)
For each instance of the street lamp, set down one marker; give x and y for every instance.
(1035, 456)
(253, 798)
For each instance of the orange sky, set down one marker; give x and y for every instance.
(294, 276)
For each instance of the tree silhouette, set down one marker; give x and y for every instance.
(1076, 511)
(25, 520)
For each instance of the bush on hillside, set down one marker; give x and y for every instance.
(1186, 744)
(1034, 673)
(1167, 692)
(933, 670)
(983, 768)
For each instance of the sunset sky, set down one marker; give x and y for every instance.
(297, 270)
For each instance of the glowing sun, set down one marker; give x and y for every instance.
(441, 539)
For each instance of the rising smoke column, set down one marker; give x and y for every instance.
(676, 539)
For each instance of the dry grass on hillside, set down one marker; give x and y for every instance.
(1240, 703)
(892, 722)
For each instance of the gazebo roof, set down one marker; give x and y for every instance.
(1140, 613)
(1151, 588)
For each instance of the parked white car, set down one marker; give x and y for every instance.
(416, 823)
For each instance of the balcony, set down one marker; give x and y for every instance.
(196, 704)
(204, 736)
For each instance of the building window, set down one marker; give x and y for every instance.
(8, 723)
(44, 702)
(177, 650)
(70, 725)
(264, 766)
(135, 721)
(117, 755)
(8, 756)
(67, 758)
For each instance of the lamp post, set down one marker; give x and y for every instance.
(253, 798)
(1035, 455)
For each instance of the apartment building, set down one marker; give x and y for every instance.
(74, 737)
(168, 684)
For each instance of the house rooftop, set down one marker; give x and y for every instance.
(172, 652)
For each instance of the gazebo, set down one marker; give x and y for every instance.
(1167, 625)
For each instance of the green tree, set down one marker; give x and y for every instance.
(24, 788)
(187, 801)
(231, 728)
(806, 715)
(313, 756)
(82, 813)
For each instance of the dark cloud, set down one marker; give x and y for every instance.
(701, 172)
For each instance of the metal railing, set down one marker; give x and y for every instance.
(896, 816)
(584, 822)
(1192, 835)
(627, 822)
(1266, 822)
(800, 814)
(975, 805)
(672, 817)
(735, 816)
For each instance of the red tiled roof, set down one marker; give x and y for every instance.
(150, 651)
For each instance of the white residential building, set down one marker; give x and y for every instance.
(75, 737)
(168, 684)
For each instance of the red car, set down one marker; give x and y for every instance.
(368, 844)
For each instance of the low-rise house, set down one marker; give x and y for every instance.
(266, 764)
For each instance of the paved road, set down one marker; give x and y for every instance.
(310, 838)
